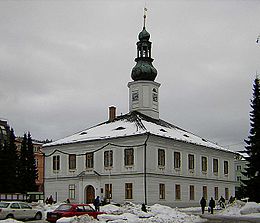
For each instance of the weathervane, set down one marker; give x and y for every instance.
(145, 11)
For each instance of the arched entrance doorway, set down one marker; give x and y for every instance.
(89, 194)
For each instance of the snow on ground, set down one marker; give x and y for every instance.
(132, 213)
(239, 208)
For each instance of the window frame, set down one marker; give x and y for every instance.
(215, 166)
(205, 192)
(128, 190)
(227, 193)
(192, 192)
(129, 157)
(191, 162)
(108, 191)
(89, 160)
(56, 163)
(72, 191)
(226, 169)
(177, 160)
(108, 158)
(161, 157)
(204, 164)
(216, 193)
(162, 191)
(177, 192)
(72, 161)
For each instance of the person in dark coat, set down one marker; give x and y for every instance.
(50, 200)
(211, 205)
(97, 203)
(203, 204)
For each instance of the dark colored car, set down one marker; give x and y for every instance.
(70, 210)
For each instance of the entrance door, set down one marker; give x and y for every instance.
(90, 194)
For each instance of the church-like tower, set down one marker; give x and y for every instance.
(143, 90)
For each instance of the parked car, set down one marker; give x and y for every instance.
(70, 210)
(18, 210)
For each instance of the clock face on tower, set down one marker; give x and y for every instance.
(135, 96)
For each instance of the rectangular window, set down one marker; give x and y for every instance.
(191, 162)
(204, 164)
(56, 163)
(192, 193)
(238, 178)
(89, 160)
(205, 192)
(225, 167)
(128, 191)
(216, 193)
(72, 161)
(177, 160)
(238, 168)
(108, 191)
(162, 191)
(215, 166)
(226, 194)
(177, 192)
(161, 157)
(129, 157)
(72, 189)
(108, 158)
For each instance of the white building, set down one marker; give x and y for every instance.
(138, 157)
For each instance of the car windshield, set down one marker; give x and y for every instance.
(4, 204)
(64, 207)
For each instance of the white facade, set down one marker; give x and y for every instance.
(59, 182)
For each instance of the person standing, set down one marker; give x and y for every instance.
(97, 203)
(211, 205)
(203, 204)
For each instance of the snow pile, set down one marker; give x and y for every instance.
(250, 208)
(132, 213)
(233, 209)
(79, 219)
(10, 220)
(239, 208)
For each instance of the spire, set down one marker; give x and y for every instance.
(144, 69)
(145, 10)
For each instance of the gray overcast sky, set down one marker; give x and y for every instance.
(63, 63)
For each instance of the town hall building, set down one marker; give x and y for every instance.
(138, 157)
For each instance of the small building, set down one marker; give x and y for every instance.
(137, 156)
(240, 165)
(4, 131)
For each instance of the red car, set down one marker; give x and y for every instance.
(70, 210)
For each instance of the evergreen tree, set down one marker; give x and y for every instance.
(12, 159)
(32, 168)
(252, 171)
(3, 166)
(23, 176)
(28, 169)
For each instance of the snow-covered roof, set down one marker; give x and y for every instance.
(131, 124)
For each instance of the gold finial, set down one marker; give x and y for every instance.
(145, 11)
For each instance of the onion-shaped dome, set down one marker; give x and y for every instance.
(144, 70)
(144, 35)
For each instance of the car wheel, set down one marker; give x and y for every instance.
(38, 216)
(10, 216)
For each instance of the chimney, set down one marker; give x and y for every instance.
(112, 113)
